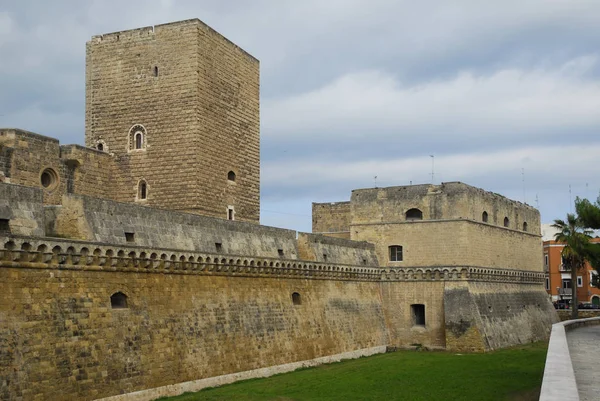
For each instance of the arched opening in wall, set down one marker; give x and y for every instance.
(231, 176)
(414, 214)
(525, 226)
(484, 217)
(137, 137)
(49, 178)
(506, 222)
(418, 314)
(595, 300)
(142, 190)
(100, 147)
(118, 300)
(395, 253)
(296, 299)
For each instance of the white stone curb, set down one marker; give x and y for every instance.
(559, 378)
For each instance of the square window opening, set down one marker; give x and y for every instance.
(396, 253)
(418, 314)
(280, 252)
(130, 237)
(218, 246)
(4, 226)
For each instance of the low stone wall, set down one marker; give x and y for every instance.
(565, 314)
(559, 378)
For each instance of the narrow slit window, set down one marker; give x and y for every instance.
(156, 71)
(139, 140)
(325, 257)
(525, 226)
(506, 222)
(142, 190)
(484, 217)
(230, 213)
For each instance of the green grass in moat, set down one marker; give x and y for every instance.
(508, 374)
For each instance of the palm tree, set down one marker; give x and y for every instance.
(576, 239)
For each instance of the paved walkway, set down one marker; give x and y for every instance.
(584, 346)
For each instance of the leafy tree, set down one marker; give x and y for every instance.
(589, 215)
(576, 238)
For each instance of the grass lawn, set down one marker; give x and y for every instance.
(508, 374)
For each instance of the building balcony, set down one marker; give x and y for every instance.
(565, 292)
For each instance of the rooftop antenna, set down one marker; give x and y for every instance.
(432, 169)
(523, 179)
(570, 202)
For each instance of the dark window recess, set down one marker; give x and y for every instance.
(100, 147)
(118, 300)
(484, 217)
(156, 71)
(364, 261)
(418, 314)
(4, 226)
(138, 140)
(280, 252)
(525, 226)
(396, 253)
(414, 214)
(143, 191)
(230, 214)
(325, 257)
(506, 222)
(130, 237)
(231, 176)
(218, 246)
(296, 299)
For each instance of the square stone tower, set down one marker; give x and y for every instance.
(178, 106)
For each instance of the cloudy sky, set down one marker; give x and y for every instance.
(504, 94)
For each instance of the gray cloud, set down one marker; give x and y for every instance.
(357, 88)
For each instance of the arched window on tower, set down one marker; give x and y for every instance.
(137, 137)
(506, 222)
(484, 217)
(414, 214)
(231, 176)
(138, 140)
(142, 190)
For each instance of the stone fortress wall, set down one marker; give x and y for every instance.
(194, 311)
(451, 230)
(194, 97)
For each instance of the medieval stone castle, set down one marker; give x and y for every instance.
(135, 266)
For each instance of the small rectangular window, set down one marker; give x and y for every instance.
(4, 226)
(396, 253)
(418, 314)
(280, 252)
(230, 213)
(324, 257)
(546, 259)
(218, 246)
(130, 237)
(547, 283)
(579, 281)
